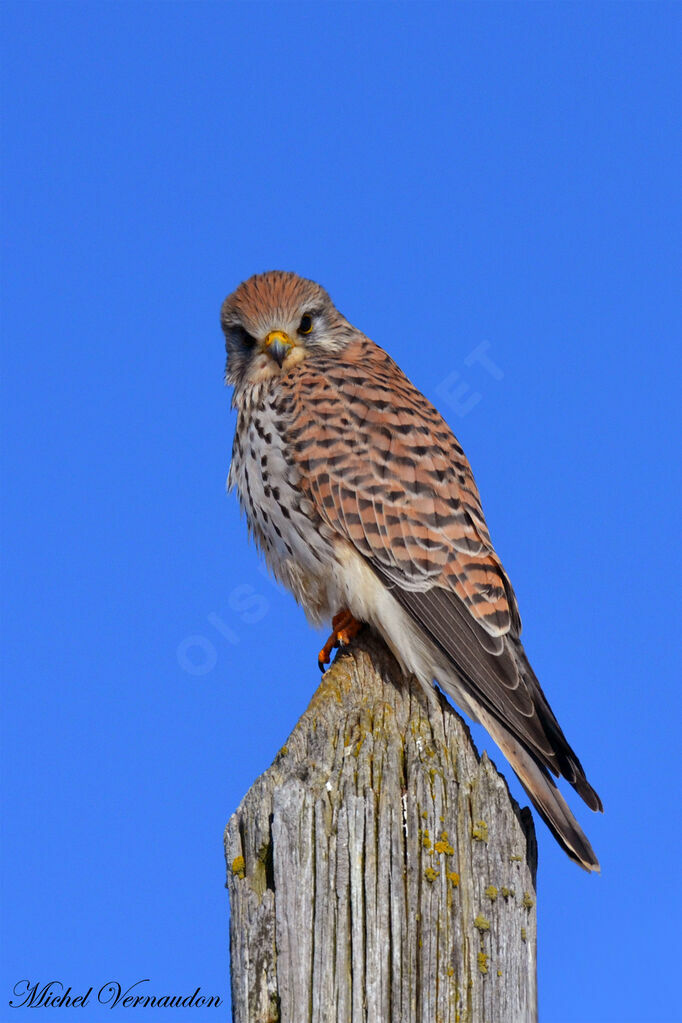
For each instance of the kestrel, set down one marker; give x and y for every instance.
(366, 509)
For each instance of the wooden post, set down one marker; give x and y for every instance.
(379, 871)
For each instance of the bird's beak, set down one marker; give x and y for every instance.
(278, 345)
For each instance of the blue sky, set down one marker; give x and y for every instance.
(466, 180)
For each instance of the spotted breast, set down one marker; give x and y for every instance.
(283, 522)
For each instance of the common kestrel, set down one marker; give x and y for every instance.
(365, 507)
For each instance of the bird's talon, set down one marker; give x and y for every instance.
(346, 635)
(344, 627)
(325, 654)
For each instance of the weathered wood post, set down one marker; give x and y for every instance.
(379, 871)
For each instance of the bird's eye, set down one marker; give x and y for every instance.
(306, 324)
(245, 338)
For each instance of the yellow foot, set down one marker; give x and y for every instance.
(344, 627)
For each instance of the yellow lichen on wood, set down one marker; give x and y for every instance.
(430, 874)
(481, 924)
(443, 845)
(453, 878)
(483, 962)
(239, 867)
(491, 892)
(479, 831)
(527, 900)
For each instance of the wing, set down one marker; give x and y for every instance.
(384, 470)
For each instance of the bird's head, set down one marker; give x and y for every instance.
(275, 320)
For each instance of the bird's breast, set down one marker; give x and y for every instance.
(281, 518)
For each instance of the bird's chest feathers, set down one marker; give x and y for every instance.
(282, 520)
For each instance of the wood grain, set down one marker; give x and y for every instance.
(379, 871)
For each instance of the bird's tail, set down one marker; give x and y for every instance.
(544, 795)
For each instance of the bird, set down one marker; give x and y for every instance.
(364, 506)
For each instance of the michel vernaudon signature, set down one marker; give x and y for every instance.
(56, 995)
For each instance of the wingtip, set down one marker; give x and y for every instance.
(588, 794)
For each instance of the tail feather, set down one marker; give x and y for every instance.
(545, 796)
